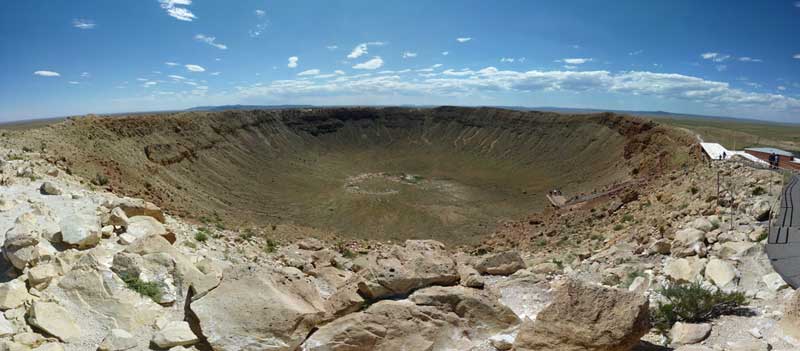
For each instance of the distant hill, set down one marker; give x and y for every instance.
(246, 107)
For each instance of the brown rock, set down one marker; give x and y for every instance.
(587, 317)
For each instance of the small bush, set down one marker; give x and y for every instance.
(694, 190)
(627, 218)
(759, 191)
(201, 235)
(618, 227)
(100, 180)
(149, 289)
(270, 246)
(692, 303)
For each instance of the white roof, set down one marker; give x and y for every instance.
(715, 150)
(749, 157)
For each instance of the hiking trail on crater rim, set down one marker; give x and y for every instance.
(445, 173)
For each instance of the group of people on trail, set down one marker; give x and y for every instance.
(774, 161)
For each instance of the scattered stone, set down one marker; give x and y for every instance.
(774, 281)
(82, 232)
(118, 340)
(502, 342)
(501, 263)
(176, 333)
(54, 320)
(138, 207)
(660, 246)
(760, 210)
(126, 239)
(48, 188)
(6, 328)
(689, 242)
(480, 308)
(721, 273)
(587, 317)
(141, 226)
(685, 269)
(13, 294)
(311, 244)
(688, 333)
(117, 217)
(40, 275)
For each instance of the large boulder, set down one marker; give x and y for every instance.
(689, 242)
(417, 264)
(137, 207)
(80, 231)
(500, 263)
(587, 317)
(259, 308)
(685, 269)
(479, 308)
(54, 320)
(689, 333)
(760, 210)
(142, 226)
(118, 340)
(13, 294)
(175, 333)
(721, 273)
(388, 326)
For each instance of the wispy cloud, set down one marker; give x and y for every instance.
(85, 75)
(293, 62)
(311, 72)
(463, 40)
(172, 63)
(409, 54)
(363, 48)
(215, 73)
(195, 68)
(260, 13)
(797, 56)
(749, 59)
(332, 47)
(715, 56)
(576, 61)
(375, 63)
(176, 77)
(507, 59)
(261, 25)
(210, 41)
(635, 53)
(445, 53)
(173, 9)
(83, 23)
(781, 88)
(47, 73)
(74, 82)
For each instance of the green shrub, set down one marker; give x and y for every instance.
(149, 289)
(627, 218)
(100, 180)
(270, 246)
(618, 227)
(692, 303)
(201, 235)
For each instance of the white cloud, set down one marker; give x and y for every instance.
(180, 13)
(409, 54)
(176, 77)
(171, 63)
(195, 68)
(260, 13)
(749, 59)
(332, 47)
(311, 72)
(635, 53)
(797, 56)
(73, 82)
(715, 56)
(576, 61)
(215, 73)
(47, 74)
(781, 88)
(375, 63)
(721, 67)
(445, 53)
(713, 95)
(363, 48)
(85, 75)
(463, 40)
(507, 59)
(210, 41)
(83, 23)
(149, 84)
(293, 62)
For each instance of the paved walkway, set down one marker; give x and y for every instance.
(783, 247)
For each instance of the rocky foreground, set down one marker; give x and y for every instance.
(88, 270)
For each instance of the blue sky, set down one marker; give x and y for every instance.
(60, 57)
